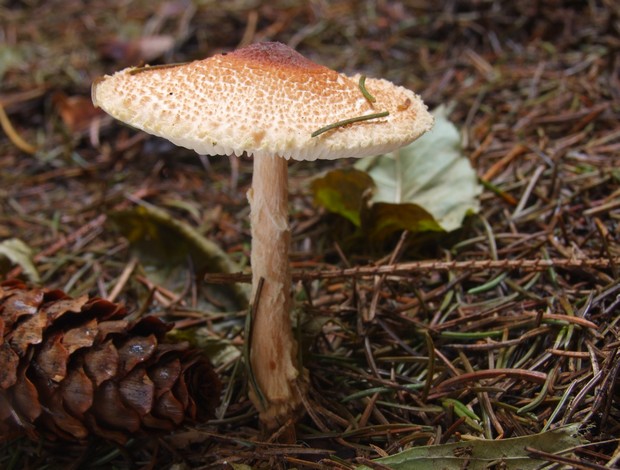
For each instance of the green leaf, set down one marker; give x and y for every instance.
(482, 454)
(431, 173)
(16, 252)
(343, 192)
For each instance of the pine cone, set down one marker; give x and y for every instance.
(75, 367)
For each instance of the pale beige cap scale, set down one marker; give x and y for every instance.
(265, 100)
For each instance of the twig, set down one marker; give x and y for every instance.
(412, 267)
(498, 166)
(528, 191)
(530, 375)
(381, 279)
(122, 280)
(572, 463)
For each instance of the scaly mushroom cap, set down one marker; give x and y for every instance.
(265, 100)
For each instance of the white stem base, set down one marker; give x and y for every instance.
(273, 353)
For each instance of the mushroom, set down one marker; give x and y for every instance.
(273, 104)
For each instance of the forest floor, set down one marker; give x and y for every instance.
(440, 354)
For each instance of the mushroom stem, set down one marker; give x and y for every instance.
(273, 353)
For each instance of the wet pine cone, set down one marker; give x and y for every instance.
(71, 368)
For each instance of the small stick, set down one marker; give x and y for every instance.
(528, 191)
(568, 461)
(498, 166)
(365, 92)
(122, 280)
(248, 342)
(379, 281)
(412, 267)
(335, 125)
(498, 192)
(462, 379)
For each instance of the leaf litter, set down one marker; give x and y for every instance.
(503, 329)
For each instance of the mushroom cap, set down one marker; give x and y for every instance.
(264, 100)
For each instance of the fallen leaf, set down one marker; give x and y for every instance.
(165, 246)
(431, 173)
(342, 192)
(482, 454)
(76, 112)
(383, 219)
(16, 252)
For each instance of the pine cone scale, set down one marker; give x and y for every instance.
(110, 408)
(17, 304)
(135, 351)
(170, 407)
(64, 421)
(8, 372)
(101, 363)
(28, 332)
(81, 337)
(51, 363)
(26, 397)
(138, 390)
(77, 392)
